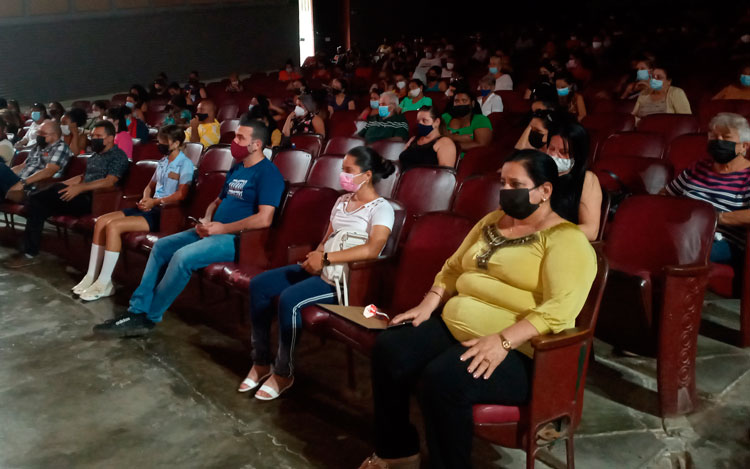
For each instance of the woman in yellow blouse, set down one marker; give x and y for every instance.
(522, 271)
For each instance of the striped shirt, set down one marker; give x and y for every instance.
(726, 192)
(378, 128)
(57, 153)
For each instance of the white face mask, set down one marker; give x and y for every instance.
(428, 55)
(449, 65)
(299, 111)
(401, 85)
(596, 44)
(563, 164)
(65, 129)
(414, 93)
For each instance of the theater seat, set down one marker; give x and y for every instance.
(621, 106)
(385, 187)
(670, 126)
(709, 109)
(557, 387)
(341, 145)
(293, 165)
(477, 196)
(425, 189)
(411, 118)
(311, 143)
(325, 172)
(658, 249)
(645, 144)
(216, 158)
(607, 123)
(193, 150)
(155, 118)
(227, 111)
(341, 123)
(227, 129)
(686, 150)
(513, 102)
(146, 151)
(388, 149)
(482, 160)
(633, 174)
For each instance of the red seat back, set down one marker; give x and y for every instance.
(311, 143)
(670, 126)
(385, 187)
(686, 150)
(433, 238)
(411, 118)
(477, 196)
(155, 118)
(621, 106)
(118, 99)
(426, 189)
(513, 102)
(293, 165)
(609, 122)
(342, 145)
(639, 175)
(227, 129)
(19, 157)
(82, 104)
(341, 124)
(482, 160)
(146, 151)
(76, 166)
(388, 149)
(139, 176)
(645, 144)
(227, 111)
(709, 109)
(216, 158)
(193, 150)
(207, 188)
(439, 100)
(650, 232)
(325, 172)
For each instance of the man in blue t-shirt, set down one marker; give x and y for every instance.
(251, 194)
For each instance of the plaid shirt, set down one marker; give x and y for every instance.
(58, 153)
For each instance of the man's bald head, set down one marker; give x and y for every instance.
(207, 107)
(50, 129)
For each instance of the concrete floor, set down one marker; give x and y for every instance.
(169, 400)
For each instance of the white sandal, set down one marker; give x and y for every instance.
(252, 384)
(272, 393)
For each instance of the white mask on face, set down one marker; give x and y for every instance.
(449, 65)
(65, 129)
(414, 93)
(428, 55)
(299, 111)
(563, 164)
(401, 85)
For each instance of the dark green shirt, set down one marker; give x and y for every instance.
(378, 128)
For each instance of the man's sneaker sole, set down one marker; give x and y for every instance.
(139, 332)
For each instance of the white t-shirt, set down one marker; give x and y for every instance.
(505, 82)
(377, 212)
(494, 103)
(424, 65)
(31, 133)
(6, 151)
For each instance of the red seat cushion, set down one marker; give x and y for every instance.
(134, 239)
(240, 277)
(488, 414)
(63, 220)
(220, 271)
(85, 224)
(720, 279)
(13, 208)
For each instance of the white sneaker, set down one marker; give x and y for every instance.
(97, 291)
(83, 285)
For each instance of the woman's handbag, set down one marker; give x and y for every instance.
(336, 274)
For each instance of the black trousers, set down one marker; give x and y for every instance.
(45, 203)
(428, 357)
(8, 179)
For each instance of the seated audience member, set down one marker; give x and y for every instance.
(536, 134)
(433, 79)
(234, 85)
(449, 71)
(425, 63)
(568, 97)
(400, 82)
(739, 89)
(372, 110)
(544, 85)
(38, 116)
(639, 81)
(251, 194)
(169, 185)
(178, 111)
(174, 89)
(288, 74)
(204, 127)
(582, 201)
(55, 110)
(134, 103)
(578, 69)
(97, 114)
(159, 89)
(104, 169)
(142, 97)
(6, 147)
(465, 122)
(262, 114)
(503, 81)
(416, 99)
(339, 100)
(522, 271)
(122, 139)
(488, 100)
(72, 129)
(195, 90)
(724, 182)
(136, 127)
(47, 159)
(361, 210)
(304, 118)
(389, 124)
(430, 146)
(661, 97)
(12, 121)
(298, 86)
(276, 112)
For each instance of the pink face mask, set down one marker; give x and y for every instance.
(347, 182)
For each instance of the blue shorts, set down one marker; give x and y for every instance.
(152, 217)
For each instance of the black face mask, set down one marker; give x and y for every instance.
(515, 202)
(461, 111)
(201, 116)
(163, 148)
(536, 139)
(543, 78)
(97, 145)
(722, 151)
(41, 141)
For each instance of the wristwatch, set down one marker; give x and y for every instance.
(506, 343)
(326, 262)
(24, 184)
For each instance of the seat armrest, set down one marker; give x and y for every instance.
(365, 279)
(563, 339)
(253, 247)
(296, 253)
(172, 218)
(687, 270)
(105, 201)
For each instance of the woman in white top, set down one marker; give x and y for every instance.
(503, 81)
(38, 116)
(361, 210)
(488, 100)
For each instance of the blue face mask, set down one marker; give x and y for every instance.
(642, 75)
(169, 120)
(127, 122)
(485, 92)
(563, 91)
(36, 115)
(493, 70)
(130, 105)
(745, 80)
(374, 104)
(383, 111)
(656, 84)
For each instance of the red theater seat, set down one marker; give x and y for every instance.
(411, 118)
(634, 174)
(385, 187)
(477, 196)
(646, 144)
(670, 126)
(216, 158)
(227, 111)
(482, 160)
(686, 150)
(193, 150)
(155, 118)
(513, 102)
(227, 129)
(658, 249)
(607, 123)
(426, 189)
(709, 109)
(325, 172)
(311, 143)
(341, 145)
(146, 151)
(388, 149)
(293, 165)
(341, 124)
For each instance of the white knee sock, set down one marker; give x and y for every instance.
(110, 260)
(95, 261)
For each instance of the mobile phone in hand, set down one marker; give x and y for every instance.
(195, 220)
(404, 323)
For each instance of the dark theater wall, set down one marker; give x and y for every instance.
(64, 49)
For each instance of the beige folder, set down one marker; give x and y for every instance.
(354, 314)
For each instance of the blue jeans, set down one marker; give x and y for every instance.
(724, 252)
(297, 289)
(170, 265)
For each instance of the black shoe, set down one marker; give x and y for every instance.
(127, 325)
